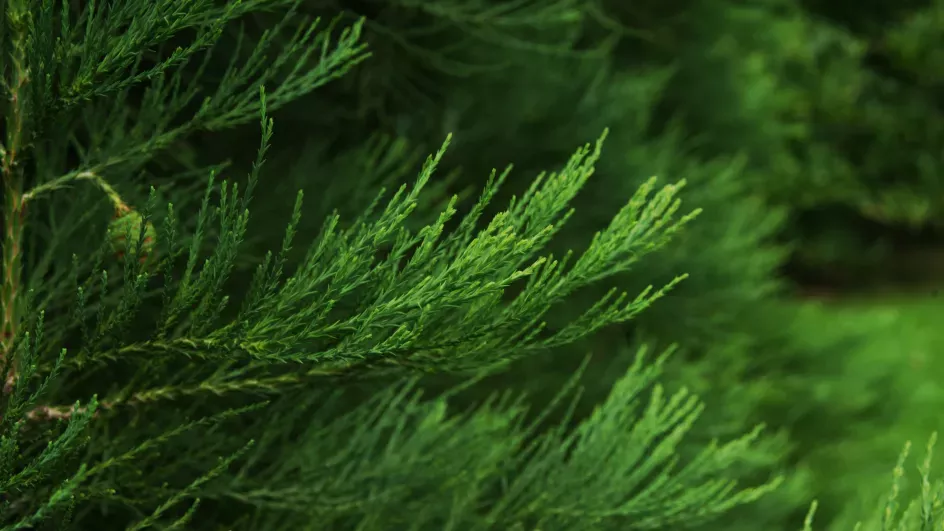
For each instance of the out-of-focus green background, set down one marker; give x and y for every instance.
(856, 468)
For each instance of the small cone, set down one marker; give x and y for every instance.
(123, 232)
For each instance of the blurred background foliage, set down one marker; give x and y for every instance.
(810, 133)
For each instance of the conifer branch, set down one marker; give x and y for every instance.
(373, 296)
(61, 182)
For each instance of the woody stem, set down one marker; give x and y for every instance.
(12, 263)
(11, 169)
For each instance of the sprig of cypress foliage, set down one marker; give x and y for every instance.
(91, 82)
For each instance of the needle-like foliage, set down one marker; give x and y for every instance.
(290, 401)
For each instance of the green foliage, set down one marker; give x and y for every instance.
(179, 358)
(366, 359)
(488, 467)
(739, 344)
